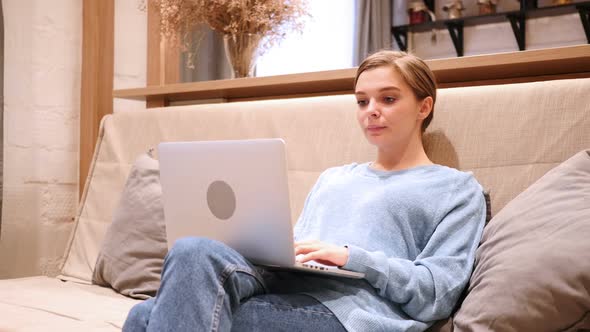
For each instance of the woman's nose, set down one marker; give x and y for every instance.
(373, 109)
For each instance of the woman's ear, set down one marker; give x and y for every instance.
(425, 108)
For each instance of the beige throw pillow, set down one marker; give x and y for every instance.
(134, 247)
(532, 269)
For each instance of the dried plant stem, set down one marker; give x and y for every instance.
(241, 51)
(269, 20)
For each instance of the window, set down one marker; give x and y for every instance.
(326, 42)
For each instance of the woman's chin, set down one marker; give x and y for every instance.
(381, 142)
(376, 140)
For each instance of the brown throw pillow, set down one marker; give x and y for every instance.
(132, 254)
(532, 269)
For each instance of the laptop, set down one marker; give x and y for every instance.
(235, 192)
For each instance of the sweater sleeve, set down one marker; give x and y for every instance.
(428, 288)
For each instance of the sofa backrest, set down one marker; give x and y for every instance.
(507, 135)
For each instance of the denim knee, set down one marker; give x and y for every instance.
(191, 248)
(138, 317)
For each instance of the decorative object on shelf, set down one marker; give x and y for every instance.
(487, 6)
(248, 26)
(241, 51)
(454, 9)
(561, 2)
(419, 12)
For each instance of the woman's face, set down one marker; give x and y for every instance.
(388, 111)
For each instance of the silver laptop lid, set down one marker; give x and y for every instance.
(235, 192)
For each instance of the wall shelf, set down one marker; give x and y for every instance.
(500, 68)
(517, 19)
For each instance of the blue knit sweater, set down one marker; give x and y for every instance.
(412, 232)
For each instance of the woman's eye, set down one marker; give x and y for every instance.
(389, 100)
(361, 102)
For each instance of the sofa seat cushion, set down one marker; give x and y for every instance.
(48, 304)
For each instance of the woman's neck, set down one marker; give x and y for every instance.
(402, 156)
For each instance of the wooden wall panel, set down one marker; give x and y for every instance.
(96, 98)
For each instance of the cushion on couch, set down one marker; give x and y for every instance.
(133, 250)
(532, 270)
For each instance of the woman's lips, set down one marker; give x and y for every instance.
(374, 129)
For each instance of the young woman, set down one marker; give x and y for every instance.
(411, 226)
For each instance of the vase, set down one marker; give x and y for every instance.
(487, 7)
(419, 12)
(241, 51)
(454, 9)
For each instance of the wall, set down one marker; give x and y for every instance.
(41, 115)
(130, 51)
(42, 106)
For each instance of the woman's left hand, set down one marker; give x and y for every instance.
(321, 252)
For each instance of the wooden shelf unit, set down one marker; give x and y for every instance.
(532, 65)
(517, 19)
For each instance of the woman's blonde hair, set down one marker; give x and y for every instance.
(413, 70)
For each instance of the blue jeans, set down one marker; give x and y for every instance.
(207, 286)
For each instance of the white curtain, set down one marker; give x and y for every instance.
(372, 28)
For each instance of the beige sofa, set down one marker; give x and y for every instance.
(508, 135)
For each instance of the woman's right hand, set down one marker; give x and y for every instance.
(321, 252)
